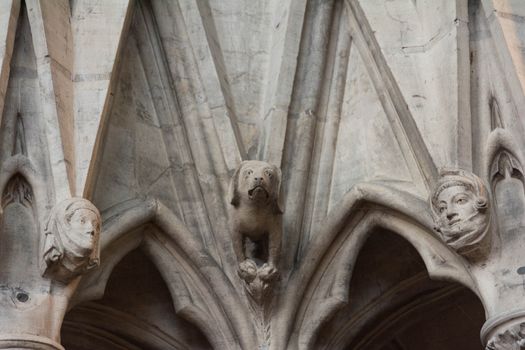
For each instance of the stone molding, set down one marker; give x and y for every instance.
(496, 327)
(26, 341)
(149, 117)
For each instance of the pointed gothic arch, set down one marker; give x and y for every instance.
(120, 320)
(324, 277)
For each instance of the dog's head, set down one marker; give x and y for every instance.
(256, 182)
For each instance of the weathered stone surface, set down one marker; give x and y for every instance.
(264, 170)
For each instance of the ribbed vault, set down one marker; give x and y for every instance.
(147, 107)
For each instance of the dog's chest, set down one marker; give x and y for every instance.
(253, 223)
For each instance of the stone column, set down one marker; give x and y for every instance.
(505, 326)
(505, 332)
(489, 232)
(41, 264)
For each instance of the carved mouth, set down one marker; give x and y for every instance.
(256, 191)
(453, 222)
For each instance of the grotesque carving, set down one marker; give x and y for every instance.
(461, 212)
(256, 219)
(511, 339)
(71, 243)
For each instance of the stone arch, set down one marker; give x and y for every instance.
(391, 299)
(365, 208)
(200, 290)
(135, 312)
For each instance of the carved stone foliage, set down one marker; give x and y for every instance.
(460, 206)
(71, 243)
(511, 339)
(505, 165)
(17, 190)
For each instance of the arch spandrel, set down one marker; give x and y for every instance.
(325, 276)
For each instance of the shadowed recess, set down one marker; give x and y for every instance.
(393, 305)
(136, 312)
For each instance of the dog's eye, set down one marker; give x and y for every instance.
(268, 173)
(249, 172)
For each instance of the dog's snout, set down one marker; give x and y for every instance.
(258, 179)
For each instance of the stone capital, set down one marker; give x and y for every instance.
(27, 341)
(505, 332)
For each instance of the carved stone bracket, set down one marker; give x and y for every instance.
(256, 226)
(256, 219)
(70, 246)
(259, 281)
(461, 210)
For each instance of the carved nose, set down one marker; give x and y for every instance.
(258, 179)
(451, 216)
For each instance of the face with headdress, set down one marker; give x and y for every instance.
(83, 227)
(72, 236)
(460, 208)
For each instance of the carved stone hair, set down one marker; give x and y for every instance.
(466, 179)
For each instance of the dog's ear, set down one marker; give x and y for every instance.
(233, 192)
(276, 189)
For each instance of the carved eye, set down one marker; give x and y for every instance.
(461, 201)
(441, 209)
(82, 221)
(248, 172)
(268, 173)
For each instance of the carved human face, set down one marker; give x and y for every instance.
(456, 205)
(84, 225)
(461, 210)
(458, 214)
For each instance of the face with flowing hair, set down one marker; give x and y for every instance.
(460, 208)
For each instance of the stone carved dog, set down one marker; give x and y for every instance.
(256, 219)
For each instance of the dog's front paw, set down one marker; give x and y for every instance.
(248, 270)
(268, 273)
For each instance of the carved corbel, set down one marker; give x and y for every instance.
(256, 227)
(70, 245)
(256, 222)
(461, 210)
